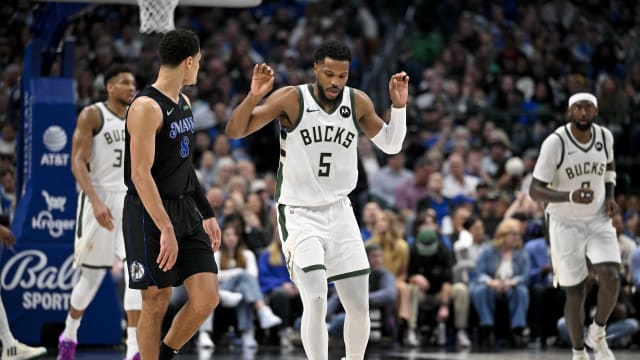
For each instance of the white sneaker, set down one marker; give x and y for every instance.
(248, 340)
(229, 298)
(21, 351)
(267, 318)
(581, 355)
(596, 339)
(204, 340)
(412, 338)
(463, 339)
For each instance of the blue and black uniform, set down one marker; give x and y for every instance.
(183, 199)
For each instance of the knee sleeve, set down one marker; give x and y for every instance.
(86, 288)
(132, 297)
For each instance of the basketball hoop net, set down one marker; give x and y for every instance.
(157, 15)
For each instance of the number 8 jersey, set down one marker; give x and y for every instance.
(107, 153)
(318, 155)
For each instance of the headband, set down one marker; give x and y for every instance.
(583, 97)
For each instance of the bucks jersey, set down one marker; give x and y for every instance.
(567, 165)
(318, 157)
(107, 152)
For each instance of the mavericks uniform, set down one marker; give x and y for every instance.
(96, 246)
(318, 169)
(176, 180)
(576, 230)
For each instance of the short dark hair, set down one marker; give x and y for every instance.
(332, 49)
(177, 45)
(114, 71)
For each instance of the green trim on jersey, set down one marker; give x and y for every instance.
(578, 145)
(109, 110)
(349, 274)
(80, 213)
(300, 112)
(282, 221)
(279, 182)
(99, 128)
(314, 267)
(352, 95)
(337, 104)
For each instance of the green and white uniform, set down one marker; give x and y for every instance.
(318, 169)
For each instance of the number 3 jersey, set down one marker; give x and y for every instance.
(318, 155)
(107, 152)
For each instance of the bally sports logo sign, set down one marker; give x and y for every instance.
(44, 286)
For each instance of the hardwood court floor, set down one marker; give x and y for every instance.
(374, 354)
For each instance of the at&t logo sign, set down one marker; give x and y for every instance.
(54, 140)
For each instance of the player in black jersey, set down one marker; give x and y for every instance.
(170, 230)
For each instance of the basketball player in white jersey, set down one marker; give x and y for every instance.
(575, 176)
(318, 169)
(97, 163)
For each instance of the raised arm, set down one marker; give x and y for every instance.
(388, 137)
(88, 122)
(249, 117)
(143, 121)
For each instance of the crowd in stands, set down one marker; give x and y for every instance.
(489, 80)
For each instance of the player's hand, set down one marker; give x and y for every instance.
(212, 229)
(102, 214)
(582, 196)
(262, 79)
(399, 89)
(611, 207)
(168, 250)
(6, 237)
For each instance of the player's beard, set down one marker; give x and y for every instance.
(324, 99)
(582, 127)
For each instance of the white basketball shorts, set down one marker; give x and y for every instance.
(573, 241)
(96, 246)
(323, 237)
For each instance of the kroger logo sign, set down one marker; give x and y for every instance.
(45, 220)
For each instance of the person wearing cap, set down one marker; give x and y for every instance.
(502, 270)
(431, 276)
(575, 176)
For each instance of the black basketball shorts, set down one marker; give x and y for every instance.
(142, 243)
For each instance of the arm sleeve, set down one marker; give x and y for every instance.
(390, 138)
(549, 159)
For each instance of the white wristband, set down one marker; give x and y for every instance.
(571, 196)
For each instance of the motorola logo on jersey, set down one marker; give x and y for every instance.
(585, 168)
(54, 139)
(345, 111)
(599, 146)
(328, 133)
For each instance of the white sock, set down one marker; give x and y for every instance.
(5, 333)
(71, 328)
(577, 352)
(132, 342)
